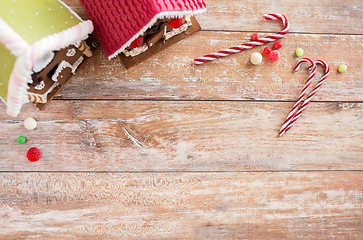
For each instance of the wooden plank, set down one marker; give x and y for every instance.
(308, 16)
(191, 136)
(172, 75)
(319, 205)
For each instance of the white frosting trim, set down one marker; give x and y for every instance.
(64, 64)
(173, 32)
(135, 51)
(43, 61)
(21, 74)
(11, 40)
(44, 95)
(172, 14)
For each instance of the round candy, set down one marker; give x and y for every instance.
(21, 139)
(278, 45)
(33, 154)
(342, 68)
(137, 42)
(256, 58)
(299, 52)
(255, 37)
(267, 50)
(274, 56)
(30, 123)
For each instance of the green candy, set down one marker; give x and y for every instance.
(299, 52)
(21, 139)
(342, 68)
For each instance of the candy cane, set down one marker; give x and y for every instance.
(302, 94)
(311, 95)
(251, 44)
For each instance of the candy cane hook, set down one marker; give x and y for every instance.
(249, 45)
(311, 95)
(291, 114)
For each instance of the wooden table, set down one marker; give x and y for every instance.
(169, 150)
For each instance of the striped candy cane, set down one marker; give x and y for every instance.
(251, 44)
(290, 116)
(312, 94)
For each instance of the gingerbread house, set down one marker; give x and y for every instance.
(140, 28)
(41, 44)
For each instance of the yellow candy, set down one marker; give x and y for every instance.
(342, 68)
(299, 52)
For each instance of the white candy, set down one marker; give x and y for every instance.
(256, 58)
(30, 123)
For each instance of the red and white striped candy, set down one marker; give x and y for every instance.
(312, 94)
(251, 44)
(291, 114)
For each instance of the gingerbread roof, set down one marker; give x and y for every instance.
(119, 22)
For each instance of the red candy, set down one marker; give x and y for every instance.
(176, 23)
(255, 37)
(137, 42)
(278, 45)
(267, 50)
(33, 154)
(274, 56)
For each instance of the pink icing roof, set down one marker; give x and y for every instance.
(118, 22)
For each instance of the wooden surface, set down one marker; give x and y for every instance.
(169, 150)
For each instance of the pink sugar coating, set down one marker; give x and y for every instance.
(274, 56)
(255, 37)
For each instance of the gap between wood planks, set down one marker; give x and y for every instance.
(290, 32)
(196, 100)
(181, 171)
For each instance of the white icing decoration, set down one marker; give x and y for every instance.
(44, 95)
(136, 51)
(177, 31)
(63, 65)
(71, 52)
(167, 35)
(43, 61)
(40, 86)
(76, 64)
(94, 44)
(173, 14)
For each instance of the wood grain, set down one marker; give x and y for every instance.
(309, 16)
(164, 150)
(188, 136)
(229, 78)
(320, 205)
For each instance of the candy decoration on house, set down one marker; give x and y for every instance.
(253, 43)
(41, 45)
(140, 28)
